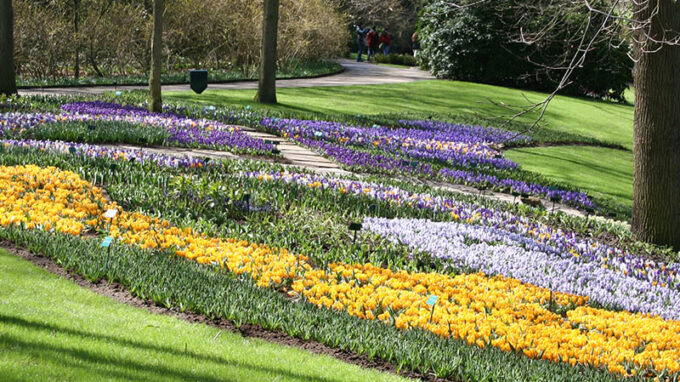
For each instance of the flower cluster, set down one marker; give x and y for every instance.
(464, 146)
(484, 311)
(95, 151)
(412, 150)
(534, 235)
(182, 130)
(498, 252)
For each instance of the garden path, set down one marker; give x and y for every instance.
(355, 73)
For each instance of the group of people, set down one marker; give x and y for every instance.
(369, 41)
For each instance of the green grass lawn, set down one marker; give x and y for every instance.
(52, 329)
(603, 121)
(599, 171)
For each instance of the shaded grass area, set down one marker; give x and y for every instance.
(602, 172)
(585, 118)
(52, 329)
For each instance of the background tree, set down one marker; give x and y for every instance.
(266, 88)
(7, 73)
(653, 26)
(155, 102)
(656, 148)
(525, 44)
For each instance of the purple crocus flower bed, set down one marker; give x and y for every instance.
(458, 148)
(467, 133)
(493, 251)
(531, 235)
(183, 131)
(461, 145)
(573, 198)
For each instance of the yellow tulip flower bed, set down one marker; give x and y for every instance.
(484, 311)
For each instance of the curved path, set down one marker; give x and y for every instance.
(355, 73)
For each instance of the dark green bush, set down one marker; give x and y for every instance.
(481, 43)
(397, 59)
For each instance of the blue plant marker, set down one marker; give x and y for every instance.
(72, 150)
(106, 243)
(118, 93)
(431, 301)
(247, 107)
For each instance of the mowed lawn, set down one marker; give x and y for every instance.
(51, 329)
(600, 171)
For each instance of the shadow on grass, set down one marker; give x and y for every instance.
(123, 367)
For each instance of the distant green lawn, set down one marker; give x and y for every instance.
(599, 171)
(603, 121)
(51, 329)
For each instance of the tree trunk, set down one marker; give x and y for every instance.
(266, 89)
(8, 84)
(656, 148)
(155, 102)
(76, 22)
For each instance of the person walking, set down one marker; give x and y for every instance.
(415, 44)
(373, 42)
(361, 45)
(385, 42)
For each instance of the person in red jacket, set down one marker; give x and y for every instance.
(385, 42)
(372, 42)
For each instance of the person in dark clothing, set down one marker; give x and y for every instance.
(361, 45)
(373, 42)
(415, 44)
(385, 42)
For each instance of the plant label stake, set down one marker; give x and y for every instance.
(431, 301)
(106, 243)
(354, 227)
(72, 149)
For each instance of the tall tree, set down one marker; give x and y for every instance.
(155, 101)
(266, 89)
(656, 147)
(8, 83)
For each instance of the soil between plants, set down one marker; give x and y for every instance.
(119, 293)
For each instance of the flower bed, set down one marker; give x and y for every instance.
(530, 234)
(425, 149)
(484, 311)
(180, 130)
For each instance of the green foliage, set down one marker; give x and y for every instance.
(288, 69)
(84, 336)
(397, 59)
(171, 281)
(94, 132)
(483, 44)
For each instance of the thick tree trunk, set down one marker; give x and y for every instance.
(8, 84)
(656, 191)
(155, 102)
(266, 90)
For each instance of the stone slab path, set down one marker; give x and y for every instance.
(355, 73)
